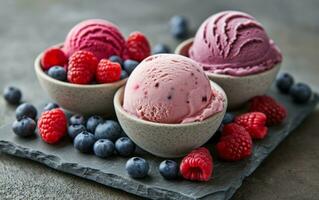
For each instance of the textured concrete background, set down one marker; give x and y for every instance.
(27, 27)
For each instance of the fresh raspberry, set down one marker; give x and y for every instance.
(80, 76)
(52, 57)
(254, 123)
(137, 47)
(235, 143)
(52, 125)
(274, 111)
(197, 165)
(108, 72)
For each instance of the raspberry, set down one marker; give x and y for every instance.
(235, 143)
(52, 57)
(274, 111)
(52, 125)
(137, 47)
(254, 123)
(197, 165)
(108, 71)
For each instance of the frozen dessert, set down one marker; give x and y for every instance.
(234, 43)
(169, 88)
(98, 36)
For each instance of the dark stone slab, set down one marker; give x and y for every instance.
(228, 176)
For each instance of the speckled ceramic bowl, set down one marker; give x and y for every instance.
(82, 99)
(238, 89)
(167, 140)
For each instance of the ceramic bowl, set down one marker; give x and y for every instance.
(238, 89)
(82, 99)
(168, 140)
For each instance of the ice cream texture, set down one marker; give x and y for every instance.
(234, 43)
(169, 88)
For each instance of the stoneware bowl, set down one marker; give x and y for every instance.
(167, 140)
(238, 89)
(82, 99)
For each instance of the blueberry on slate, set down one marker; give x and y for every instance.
(123, 74)
(75, 129)
(179, 27)
(161, 48)
(284, 82)
(103, 148)
(92, 123)
(84, 142)
(24, 127)
(26, 110)
(137, 167)
(50, 106)
(77, 119)
(130, 65)
(124, 146)
(116, 58)
(12, 95)
(228, 118)
(108, 130)
(300, 92)
(168, 169)
(57, 72)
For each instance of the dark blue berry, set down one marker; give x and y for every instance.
(137, 167)
(50, 106)
(24, 127)
(26, 110)
(178, 20)
(130, 65)
(179, 27)
(84, 142)
(179, 32)
(168, 169)
(117, 59)
(103, 148)
(108, 130)
(161, 48)
(12, 95)
(228, 118)
(57, 72)
(300, 92)
(284, 82)
(75, 129)
(123, 74)
(92, 123)
(124, 146)
(77, 119)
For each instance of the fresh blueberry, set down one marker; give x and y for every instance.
(228, 118)
(24, 127)
(50, 106)
(137, 167)
(103, 148)
(12, 95)
(77, 119)
(117, 59)
(108, 130)
(168, 169)
(124, 146)
(92, 123)
(75, 129)
(179, 27)
(161, 48)
(130, 65)
(284, 82)
(178, 20)
(300, 92)
(57, 72)
(84, 142)
(123, 74)
(26, 110)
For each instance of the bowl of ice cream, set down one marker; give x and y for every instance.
(235, 51)
(169, 106)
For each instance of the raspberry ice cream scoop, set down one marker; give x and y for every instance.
(168, 88)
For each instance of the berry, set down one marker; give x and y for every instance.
(92, 123)
(103, 148)
(228, 118)
(130, 65)
(58, 73)
(108, 72)
(300, 93)
(124, 75)
(77, 119)
(137, 167)
(116, 59)
(284, 82)
(274, 111)
(235, 143)
(254, 123)
(197, 165)
(137, 46)
(161, 48)
(24, 127)
(52, 57)
(84, 142)
(168, 169)
(12, 95)
(26, 110)
(52, 125)
(75, 129)
(108, 130)
(124, 146)
(50, 106)
(179, 27)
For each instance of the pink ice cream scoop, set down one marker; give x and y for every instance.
(97, 36)
(234, 43)
(168, 88)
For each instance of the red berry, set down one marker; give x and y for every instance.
(137, 47)
(254, 123)
(52, 57)
(275, 112)
(235, 143)
(52, 125)
(108, 72)
(197, 165)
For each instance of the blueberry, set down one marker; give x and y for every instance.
(50, 106)
(12, 95)
(179, 27)
(228, 118)
(103, 148)
(130, 65)
(92, 123)
(300, 92)
(137, 167)
(108, 130)
(84, 142)
(57, 72)
(117, 59)
(178, 20)
(168, 169)
(75, 129)
(124, 146)
(123, 74)
(26, 110)
(161, 48)
(24, 127)
(284, 82)
(77, 119)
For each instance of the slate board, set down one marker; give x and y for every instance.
(227, 178)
